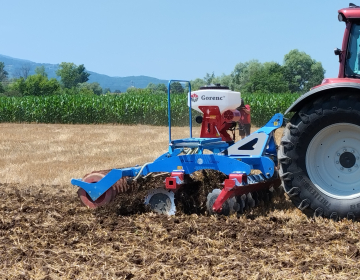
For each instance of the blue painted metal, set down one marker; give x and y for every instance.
(262, 163)
(95, 190)
(216, 145)
(264, 158)
(265, 137)
(192, 163)
(274, 123)
(167, 154)
(169, 162)
(188, 163)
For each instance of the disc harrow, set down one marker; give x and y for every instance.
(244, 196)
(242, 189)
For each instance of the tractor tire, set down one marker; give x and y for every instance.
(319, 157)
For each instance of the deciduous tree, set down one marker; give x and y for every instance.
(224, 80)
(161, 88)
(196, 84)
(242, 73)
(209, 78)
(267, 79)
(95, 88)
(40, 70)
(71, 75)
(301, 71)
(176, 87)
(36, 85)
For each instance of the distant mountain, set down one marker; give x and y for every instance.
(13, 66)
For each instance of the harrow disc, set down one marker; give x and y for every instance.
(230, 206)
(161, 201)
(102, 200)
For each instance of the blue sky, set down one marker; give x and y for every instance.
(169, 39)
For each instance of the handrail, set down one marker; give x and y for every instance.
(169, 106)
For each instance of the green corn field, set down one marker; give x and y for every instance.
(127, 109)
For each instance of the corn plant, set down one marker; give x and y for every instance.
(125, 108)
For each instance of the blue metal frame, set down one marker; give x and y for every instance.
(262, 158)
(169, 162)
(188, 163)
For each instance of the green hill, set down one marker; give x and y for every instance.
(14, 65)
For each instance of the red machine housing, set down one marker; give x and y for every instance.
(215, 124)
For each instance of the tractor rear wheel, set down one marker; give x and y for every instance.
(319, 157)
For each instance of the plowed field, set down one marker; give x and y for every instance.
(45, 233)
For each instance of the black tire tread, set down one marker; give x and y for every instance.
(291, 149)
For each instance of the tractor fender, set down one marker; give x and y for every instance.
(318, 91)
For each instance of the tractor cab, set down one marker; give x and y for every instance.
(349, 54)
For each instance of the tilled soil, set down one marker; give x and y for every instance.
(45, 233)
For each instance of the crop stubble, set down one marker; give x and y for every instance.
(45, 233)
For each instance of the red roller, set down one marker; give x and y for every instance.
(102, 200)
(119, 187)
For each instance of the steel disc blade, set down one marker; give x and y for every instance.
(228, 207)
(161, 201)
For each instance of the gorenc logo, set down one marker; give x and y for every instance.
(194, 97)
(203, 97)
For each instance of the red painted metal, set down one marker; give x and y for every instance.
(237, 185)
(175, 181)
(338, 80)
(350, 13)
(102, 200)
(230, 185)
(240, 177)
(342, 57)
(213, 124)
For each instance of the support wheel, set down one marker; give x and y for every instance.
(319, 157)
(161, 201)
(102, 200)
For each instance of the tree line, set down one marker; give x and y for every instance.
(298, 73)
(73, 80)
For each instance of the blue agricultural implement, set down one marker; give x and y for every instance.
(214, 150)
(318, 156)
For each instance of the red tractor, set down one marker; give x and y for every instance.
(319, 154)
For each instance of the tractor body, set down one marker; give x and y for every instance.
(349, 61)
(319, 154)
